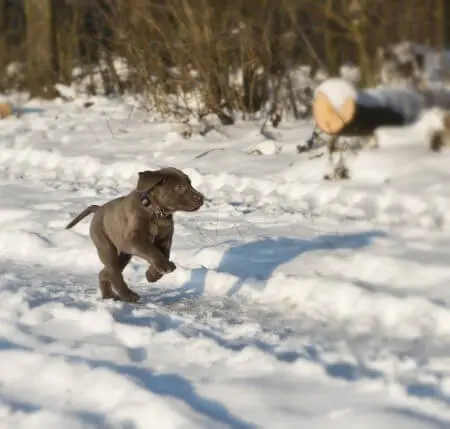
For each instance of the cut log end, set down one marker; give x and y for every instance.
(330, 119)
(6, 110)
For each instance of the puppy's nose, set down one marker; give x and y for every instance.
(198, 198)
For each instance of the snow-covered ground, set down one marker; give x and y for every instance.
(297, 302)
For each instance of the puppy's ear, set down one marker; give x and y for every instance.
(148, 179)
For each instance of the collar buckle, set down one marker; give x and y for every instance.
(145, 200)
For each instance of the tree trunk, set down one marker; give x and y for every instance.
(60, 40)
(42, 64)
(3, 46)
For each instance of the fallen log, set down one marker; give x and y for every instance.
(340, 109)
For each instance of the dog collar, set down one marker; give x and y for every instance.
(147, 202)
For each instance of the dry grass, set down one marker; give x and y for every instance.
(196, 57)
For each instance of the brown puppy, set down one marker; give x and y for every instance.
(139, 224)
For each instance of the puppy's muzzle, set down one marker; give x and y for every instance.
(197, 200)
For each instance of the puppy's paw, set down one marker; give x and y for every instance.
(110, 295)
(164, 266)
(152, 275)
(172, 267)
(130, 296)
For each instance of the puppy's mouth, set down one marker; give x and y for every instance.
(192, 207)
(183, 208)
(195, 208)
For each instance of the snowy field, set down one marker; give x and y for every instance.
(297, 302)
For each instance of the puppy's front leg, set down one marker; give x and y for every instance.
(165, 246)
(148, 251)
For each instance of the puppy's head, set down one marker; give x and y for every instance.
(169, 189)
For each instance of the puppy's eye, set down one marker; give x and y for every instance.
(181, 189)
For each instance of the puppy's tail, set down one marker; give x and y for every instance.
(86, 212)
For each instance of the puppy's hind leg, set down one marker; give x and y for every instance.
(105, 286)
(110, 276)
(104, 282)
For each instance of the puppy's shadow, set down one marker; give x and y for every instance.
(258, 260)
(190, 290)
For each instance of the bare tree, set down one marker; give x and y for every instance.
(41, 59)
(3, 44)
